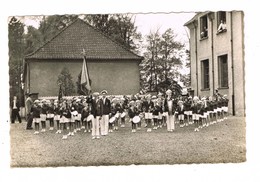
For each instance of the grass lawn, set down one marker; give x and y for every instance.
(219, 143)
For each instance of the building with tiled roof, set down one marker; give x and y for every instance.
(111, 66)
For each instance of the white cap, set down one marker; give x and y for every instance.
(154, 97)
(95, 94)
(168, 92)
(195, 98)
(131, 102)
(103, 92)
(180, 101)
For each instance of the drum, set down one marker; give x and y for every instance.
(117, 115)
(74, 113)
(111, 120)
(90, 118)
(123, 115)
(136, 119)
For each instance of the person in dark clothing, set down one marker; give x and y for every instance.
(96, 111)
(156, 112)
(43, 115)
(180, 109)
(195, 112)
(119, 110)
(36, 110)
(50, 114)
(225, 104)
(28, 106)
(105, 110)
(86, 121)
(124, 106)
(15, 106)
(148, 107)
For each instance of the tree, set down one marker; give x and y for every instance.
(51, 25)
(66, 82)
(150, 65)
(186, 79)
(16, 54)
(33, 39)
(120, 27)
(170, 50)
(48, 28)
(162, 62)
(188, 58)
(170, 84)
(99, 21)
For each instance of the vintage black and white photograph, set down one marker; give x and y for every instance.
(127, 88)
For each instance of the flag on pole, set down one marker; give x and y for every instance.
(85, 81)
(60, 93)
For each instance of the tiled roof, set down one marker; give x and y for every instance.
(79, 35)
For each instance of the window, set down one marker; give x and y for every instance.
(203, 27)
(221, 20)
(205, 74)
(223, 71)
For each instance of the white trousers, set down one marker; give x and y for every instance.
(170, 119)
(95, 126)
(104, 125)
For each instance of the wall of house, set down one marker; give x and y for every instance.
(221, 44)
(193, 63)
(239, 64)
(117, 77)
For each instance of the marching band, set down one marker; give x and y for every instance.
(101, 114)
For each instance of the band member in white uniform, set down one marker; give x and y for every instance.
(96, 112)
(169, 107)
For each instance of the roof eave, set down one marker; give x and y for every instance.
(79, 58)
(193, 19)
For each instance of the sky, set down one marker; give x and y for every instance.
(163, 21)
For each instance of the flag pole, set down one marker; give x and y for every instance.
(89, 91)
(85, 79)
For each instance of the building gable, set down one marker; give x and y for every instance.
(79, 35)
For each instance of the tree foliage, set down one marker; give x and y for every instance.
(120, 27)
(162, 60)
(186, 79)
(16, 53)
(48, 28)
(66, 82)
(170, 84)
